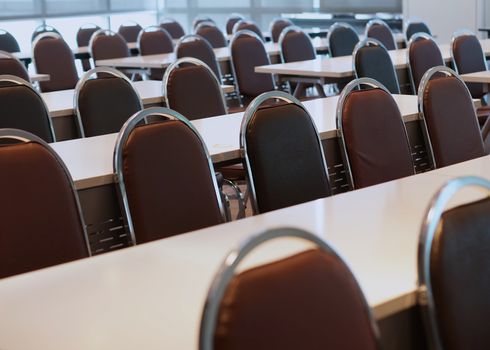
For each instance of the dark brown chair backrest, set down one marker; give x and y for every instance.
(423, 54)
(247, 52)
(414, 27)
(41, 220)
(212, 34)
(11, 65)
(173, 28)
(155, 40)
(104, 100)
(468, 57)
(309, 300)
(53, 56)
(85, 33)
(202, 19)
(231, 21)
(8, 42)
(247, 25)
(342, 39)
(165, 176)
(192, 89)
(372, 60)
(106, 44)
(374, 141)
(379, 30)
(130, 32)
(296, 45)
(21, 107)
(198, 47)
(450, 123)
(283, 154)
(43, 28)
(277, 26)
(453, 268)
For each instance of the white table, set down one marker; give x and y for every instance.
(477, 77)
(89, 160)
(37, 77)
(151, 296)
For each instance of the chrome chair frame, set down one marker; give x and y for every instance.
(42, 29)
(420, 101)
(274, 20)
(19, 81)
(416, 37)
(235, 37)
(428, 230)
(202, 19)
(5, 32)
(228, 268)
(151, 29)
(88, 76)
(170, 20)
(209, 24)
(8, 55)
(24, 136)
(412, 21)
(196, 62)
(129, 24)
(353, 85)
(237, 16)
(333, 27)
(248, 115)
(366, 43)
(456, 35)
(235, 29)
(378, 21)
(40, 37)
(122, 138)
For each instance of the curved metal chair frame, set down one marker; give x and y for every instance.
(416, 37)
(24, 136)
(8, 55)
(89, 26)
(420, 100)
(193, 61)
(370, 42)
(190, 37)
(353, 85)
(42, 29)
(229, 267)
(38, 38)
(107, 32)
(380, 22)
(236, 36)
(429, 228)
(274, 20)
(409, 22)
(202, 19)
(456, 35)
(285, 32)
(19, 81)
(235, 28)
(122, 138)
(335, 26)
(4, 32)
(88, 76)
(170, 20)
(205, 24)
(237, 16)
(248, 115)
(150, 29)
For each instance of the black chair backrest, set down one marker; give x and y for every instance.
(43, 28)
(277, 26)
(296, 45)
(230, 22)
(342, 39)
(130, 31)
(11, 65)
(248, 25)
(212, 34)
(198, 47)
(414, 27)
(379, 30)
(173, 28)
(8, 42)
(85, 33)
(106, 44)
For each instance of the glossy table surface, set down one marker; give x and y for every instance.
(89, 160)
(151, 296)
(477, 77)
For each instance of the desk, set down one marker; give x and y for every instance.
(151, 296)
(477, 77)
(36, 77)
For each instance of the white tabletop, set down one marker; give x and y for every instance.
(35, 77)
(60, 103)
(89, 160)
(151, 296)
(477, 77)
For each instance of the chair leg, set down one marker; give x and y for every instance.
(485, 133)
(238, 195)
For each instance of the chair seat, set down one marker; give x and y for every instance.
(234, 172)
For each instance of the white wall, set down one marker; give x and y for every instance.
(444, 17)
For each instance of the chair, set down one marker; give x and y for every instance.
(416, 26)
(104, 100)
(453, 265)
(212, 34)
(173, 28)
(11, 65)
(296, 45)
(341, 39)
(248, 25)
(53, 56)
(84, 34)
(277, 26)
(379, 30)
(198, 47)
(372, 60)
(202, 19)
(306, 300)
(130, 31)
(44, 28)
(42, 224)
(422, 54)
(191, 88)
(152, 41)
(106, 44)
(164, 192)
(283, 153)
(449, 121)
(8, 42)
(373, 138)
(230, 22)
(21, 107)
(247, 51)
